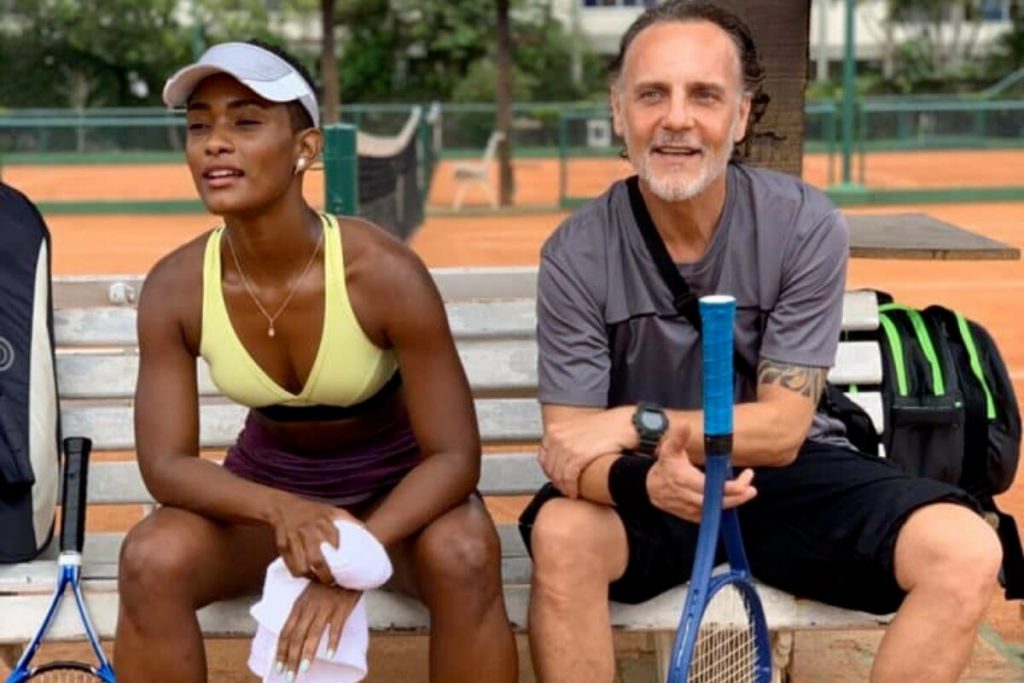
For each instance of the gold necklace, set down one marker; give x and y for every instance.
(291, 293)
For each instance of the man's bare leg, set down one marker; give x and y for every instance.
(947, 559)
(578, 549)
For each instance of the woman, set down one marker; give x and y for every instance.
(334, 336)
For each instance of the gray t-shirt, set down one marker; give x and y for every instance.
(609, 335)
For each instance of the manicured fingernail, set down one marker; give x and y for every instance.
(304, 666)
(290, 677)
(279, 667)
(330, 654)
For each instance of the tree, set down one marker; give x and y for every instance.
(89, 53)
(503, 121)
(946, 31)
(93, 52)
(414, 50)
(1009, 55)
(329, 63)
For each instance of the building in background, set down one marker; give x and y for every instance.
(601, 23)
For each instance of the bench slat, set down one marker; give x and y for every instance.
(502, 474)
(95, 326)
(871, 402)
(115, 326)
(110, 425)
(500, 420)
(39, 578)
(860, 311)
(454, 284)
(496, 366)
(506, 366)
(858, 362)
(389, 611)
(99, 564)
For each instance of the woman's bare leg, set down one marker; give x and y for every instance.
(172, 563)
(454, 566)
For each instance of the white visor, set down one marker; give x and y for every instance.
(263, 72)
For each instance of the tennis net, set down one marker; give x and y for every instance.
(395, 173)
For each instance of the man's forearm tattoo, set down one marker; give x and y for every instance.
(803, 380)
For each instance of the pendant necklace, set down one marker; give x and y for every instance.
(291, 293)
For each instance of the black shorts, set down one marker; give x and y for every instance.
(823, 528)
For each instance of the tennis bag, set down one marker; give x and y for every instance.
(950, 411)
(29, 413)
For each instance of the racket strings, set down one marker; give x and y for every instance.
(725, 651)
(59, 672)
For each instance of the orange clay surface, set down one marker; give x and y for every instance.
(990, 292)
(537, 179)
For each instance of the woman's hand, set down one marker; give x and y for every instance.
(300, 526)
(318, 609)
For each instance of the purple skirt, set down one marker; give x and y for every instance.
(339, 477)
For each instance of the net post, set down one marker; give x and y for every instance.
(563, 161)
(341, 169)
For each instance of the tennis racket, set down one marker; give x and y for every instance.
(69, 566)
(722, 636)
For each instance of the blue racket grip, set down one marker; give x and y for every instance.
(717, 314)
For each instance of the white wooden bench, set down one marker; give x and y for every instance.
(492, 315)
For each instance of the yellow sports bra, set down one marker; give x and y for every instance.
(348, 368)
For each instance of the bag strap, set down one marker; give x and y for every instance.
(1011, 574)
(683, 298)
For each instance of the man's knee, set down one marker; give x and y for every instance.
(577, 543)
(952, 550)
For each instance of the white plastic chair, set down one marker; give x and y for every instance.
(477, 173)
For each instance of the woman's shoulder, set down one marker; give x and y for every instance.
(173, 288)
(382, 268)
(368, 247)
(181, 266)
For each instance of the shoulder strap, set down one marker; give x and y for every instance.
(683, 298)
(1011, 574)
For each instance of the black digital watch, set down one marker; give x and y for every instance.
(650, 423)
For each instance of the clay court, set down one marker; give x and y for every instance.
(989, 292)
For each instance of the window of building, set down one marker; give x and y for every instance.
(620, 3)
(995, 10)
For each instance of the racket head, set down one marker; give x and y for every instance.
(66, 672)
(730, 643)
(72, 534)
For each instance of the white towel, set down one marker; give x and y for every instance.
(360, 563)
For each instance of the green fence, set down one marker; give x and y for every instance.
(568, 131)
(112, 135)
(882, 126)
(133, 135)
(383, 177)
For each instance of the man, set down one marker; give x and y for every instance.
(620, 371)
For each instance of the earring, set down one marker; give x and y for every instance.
(300, 165)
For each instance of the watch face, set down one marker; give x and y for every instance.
(652, 421)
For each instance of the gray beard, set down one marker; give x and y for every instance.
(671, 189)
